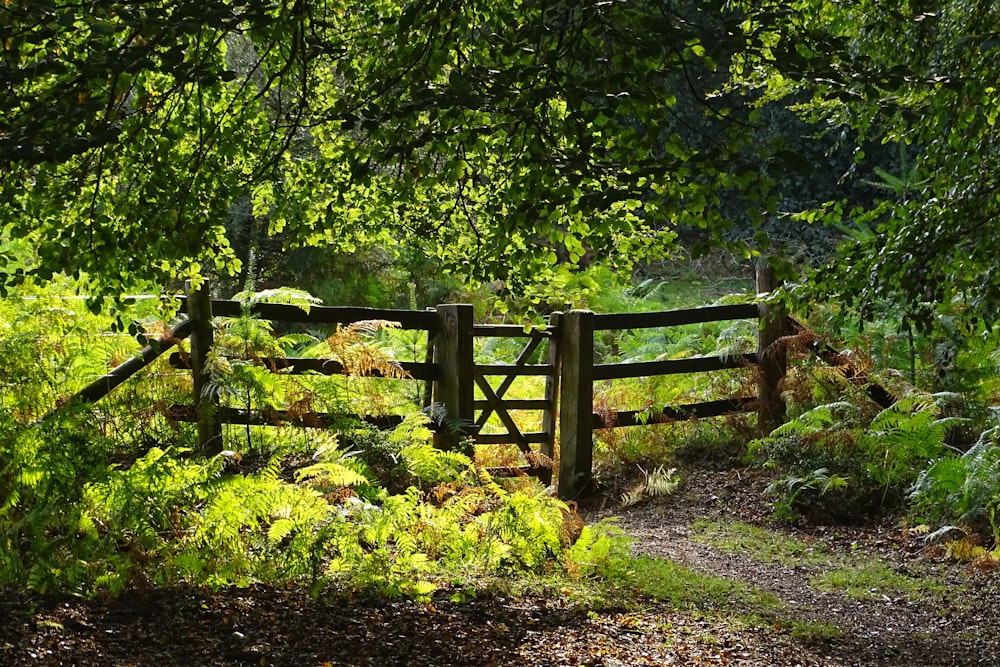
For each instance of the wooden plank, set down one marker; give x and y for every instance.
(283, 312)
(673, 318)
(300, 365)
(512, 429)
(513, 369)
(456, 385)
(272, 417)
(509, 380)
(514, 404)
(576, 445)
(507, 439)
(103, 385)
(672, 366)
(550, 416)
(509, 331)
(668, 413)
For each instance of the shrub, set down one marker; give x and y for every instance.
(836, 464)
(962, 488)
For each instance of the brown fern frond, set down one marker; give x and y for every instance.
(801, 340)
(359, 357)
(896, 385)
(371, 326)
(634, 495)
(572, 526)
(833, 373)
(539, 460)
(609, 416)
(301, 403)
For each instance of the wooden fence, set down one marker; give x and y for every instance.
(453, 375)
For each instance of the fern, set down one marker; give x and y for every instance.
(287, 295)
(817, 420)
(329, 473)
(831, 448)
(361, 357)
(428, 465)
(280, 529)
(736, 339)
(961, 488)
(431, 466)
(71, 522)
(660, 482)
(906, 435)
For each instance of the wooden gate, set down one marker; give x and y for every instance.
(567, 365)
(494, 401)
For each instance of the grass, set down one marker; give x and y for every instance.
(813, 631)
(661, 580)
(873, 580)
(686, 589)
(855, 575)
(759, 543)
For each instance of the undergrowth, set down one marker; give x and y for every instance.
(86, 507)
(838, 464)
(98, 499)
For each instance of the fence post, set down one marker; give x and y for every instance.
(576, 410)
(428, 395)
(199, 309)
(455, 388)
(550, 415)
(771, 355)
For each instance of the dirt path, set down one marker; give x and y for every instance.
(261, 626)
(961, 626)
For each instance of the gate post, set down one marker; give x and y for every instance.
(455, 388)
(576, 410)
(199, 310)
(550, 415)
(771, 354)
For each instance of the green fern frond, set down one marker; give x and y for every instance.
(415, 428)
(331, 473)
(286, 295)
(433, 466)
(271, 472)
(280, 529)
(30, 477)
(817, 419)
(297, 341)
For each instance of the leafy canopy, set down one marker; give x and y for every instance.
(920, 77)
(504, 136)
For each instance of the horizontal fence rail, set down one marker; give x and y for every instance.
(276, 417)
(561, 352)
(674, 413)
(283, 312)
(674, 318)
(510, 331)
(301, 365)
(672, 366)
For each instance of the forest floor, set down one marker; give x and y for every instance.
(918, 610)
